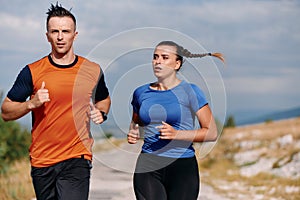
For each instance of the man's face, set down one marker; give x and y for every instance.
(61, 34)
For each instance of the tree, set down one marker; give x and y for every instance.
(14, 143)
(230, 122)
(1, 96)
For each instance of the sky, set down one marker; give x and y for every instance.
(260, 40)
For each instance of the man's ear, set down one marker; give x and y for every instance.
(47, 36)
(76, 33)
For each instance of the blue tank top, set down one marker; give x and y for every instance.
(177, 107)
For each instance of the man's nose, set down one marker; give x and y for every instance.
(60, 35)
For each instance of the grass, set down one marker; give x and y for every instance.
(107, 144)
(219, 170)
(224, 177)
(16, 184)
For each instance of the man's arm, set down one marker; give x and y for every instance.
(104, 105)
(101, 102)
(12, 110)
(96, 109)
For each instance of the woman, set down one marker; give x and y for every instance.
(167, 167)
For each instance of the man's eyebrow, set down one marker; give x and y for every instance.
(63, 29)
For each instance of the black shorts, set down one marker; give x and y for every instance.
(164, 178)
(69, 179)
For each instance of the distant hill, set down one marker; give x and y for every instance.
(291, 113)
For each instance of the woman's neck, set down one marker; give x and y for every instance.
(166, 84)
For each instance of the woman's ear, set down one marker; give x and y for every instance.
(178, 65)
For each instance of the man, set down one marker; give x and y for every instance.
(66, 91)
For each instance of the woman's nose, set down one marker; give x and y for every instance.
(157, 60)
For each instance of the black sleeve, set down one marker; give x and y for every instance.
(101, 90)
(22, 87)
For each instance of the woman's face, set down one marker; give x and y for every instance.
(165, 61)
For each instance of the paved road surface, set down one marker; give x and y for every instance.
(113, 171)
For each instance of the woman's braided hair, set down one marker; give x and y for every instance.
(182, 52)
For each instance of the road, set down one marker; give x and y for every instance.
(113, 171)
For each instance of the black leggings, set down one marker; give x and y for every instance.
(166, 178)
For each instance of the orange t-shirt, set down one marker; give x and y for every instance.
(61, 127)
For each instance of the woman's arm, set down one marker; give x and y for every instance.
(133, 134)
(207, 132)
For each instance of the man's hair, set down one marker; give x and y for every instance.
(59, 11)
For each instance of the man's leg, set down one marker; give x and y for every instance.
(73, 181)
(44, 182)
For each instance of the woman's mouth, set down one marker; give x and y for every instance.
(157, 68)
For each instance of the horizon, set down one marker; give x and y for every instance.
(252, 119)
(259, 39)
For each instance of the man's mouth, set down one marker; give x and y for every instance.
(60, 44)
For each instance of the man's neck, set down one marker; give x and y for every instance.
(63, 59)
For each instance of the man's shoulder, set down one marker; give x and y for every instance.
(38, 62)
(87, 61)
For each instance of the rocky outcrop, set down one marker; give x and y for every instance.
(260, 161)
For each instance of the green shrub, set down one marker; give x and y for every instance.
(268, 121)
(14, 143)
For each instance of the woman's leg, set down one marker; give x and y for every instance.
(148, 178)
(182, 179)
(148, 186)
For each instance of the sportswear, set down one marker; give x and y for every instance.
(61, 127)
(177, 107)
(69, 179)
(163, 178)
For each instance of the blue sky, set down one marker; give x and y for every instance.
(260, 40)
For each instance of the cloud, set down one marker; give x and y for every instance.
(12, 22)
(260, 39)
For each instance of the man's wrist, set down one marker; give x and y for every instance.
(29, 105)
(104, 115)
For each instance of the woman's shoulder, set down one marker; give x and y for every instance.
(191, 88)
(142, 88)
(189, 85)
